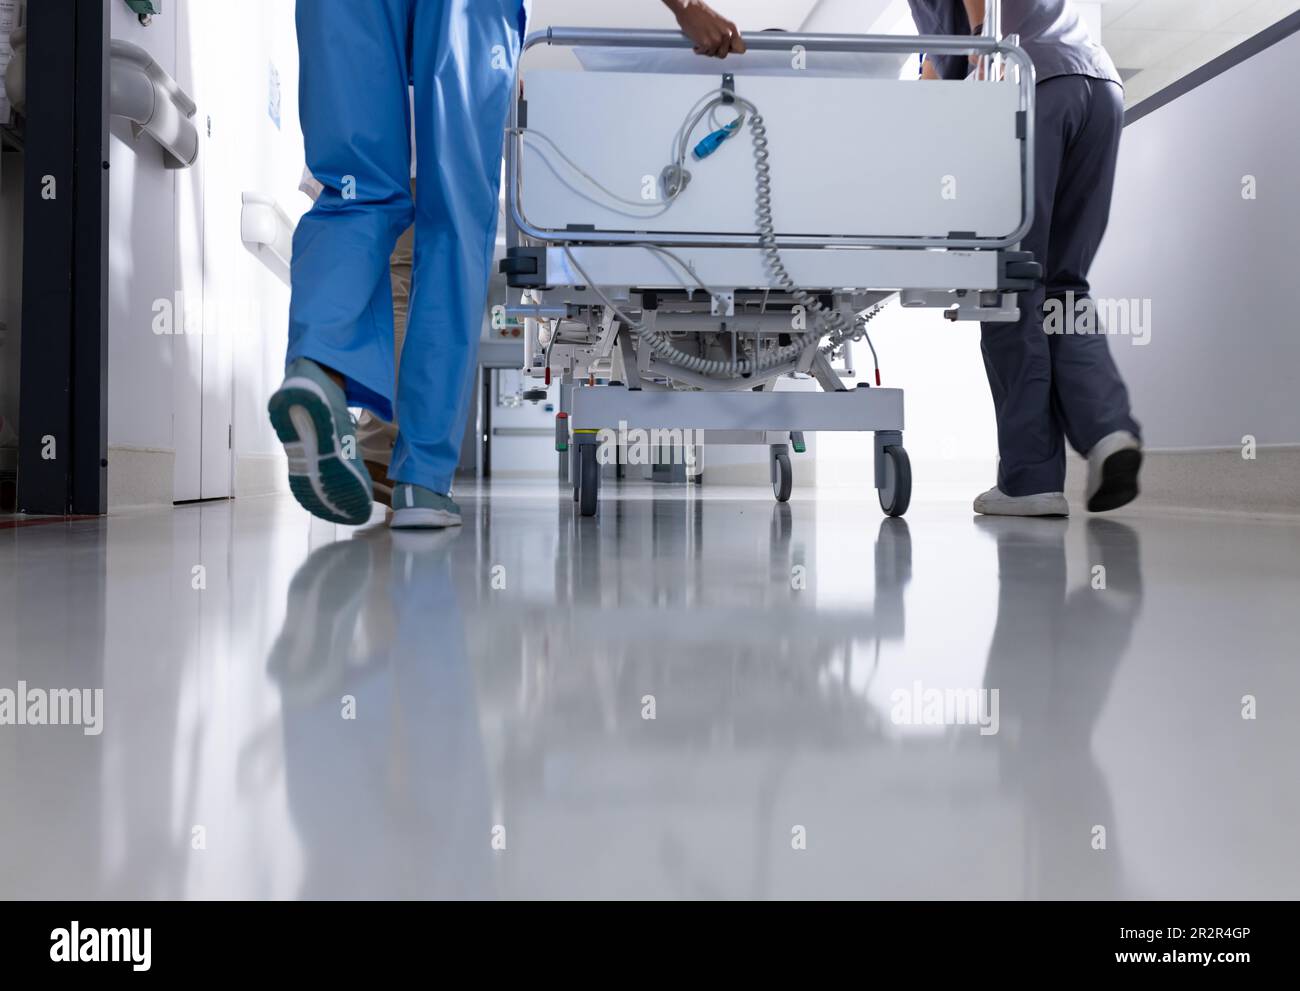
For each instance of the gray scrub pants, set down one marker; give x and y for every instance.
(1049, 388)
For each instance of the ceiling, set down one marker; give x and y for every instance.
(1156, 42)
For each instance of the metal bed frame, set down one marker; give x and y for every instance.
(974, 278)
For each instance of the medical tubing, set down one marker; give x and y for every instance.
(874, 360)
(704, 105)
(825, 321)
(661, 208)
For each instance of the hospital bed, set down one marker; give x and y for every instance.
(681, 243)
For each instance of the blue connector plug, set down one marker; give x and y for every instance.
(712, 142)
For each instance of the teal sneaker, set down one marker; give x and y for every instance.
(326, 475)
(416, 508)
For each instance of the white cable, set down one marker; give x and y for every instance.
(680, 142)
(826, 322)
(639, 204)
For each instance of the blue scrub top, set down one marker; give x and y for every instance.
(1051, 32)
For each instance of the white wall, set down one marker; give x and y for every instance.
(1219, 269)
(949, 430)
(253, 155)
(173, 231)
(141, 266)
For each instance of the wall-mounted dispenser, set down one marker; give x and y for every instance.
(145, 10)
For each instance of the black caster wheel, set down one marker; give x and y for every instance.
(782, 477)
(896, 493)
(588, 479)
(535, 395)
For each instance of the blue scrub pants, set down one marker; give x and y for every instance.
(357, 60)
(1049, 388)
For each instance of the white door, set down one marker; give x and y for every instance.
(187, 341)
(203, 370)
(221, 306)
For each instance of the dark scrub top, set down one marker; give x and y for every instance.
(1051, 32)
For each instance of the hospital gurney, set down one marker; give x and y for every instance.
(674, 268)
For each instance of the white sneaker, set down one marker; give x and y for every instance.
(1113, 466)
(418, 508)
(995, 502)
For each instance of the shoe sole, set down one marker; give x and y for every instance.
(1055, 510)
(1119, 481)
(423, 519)
(325, 483)
(1050, 515)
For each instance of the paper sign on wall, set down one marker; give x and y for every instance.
(273, 97)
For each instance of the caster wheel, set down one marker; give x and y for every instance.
(588, 480)
(782, 477)
(896, 493)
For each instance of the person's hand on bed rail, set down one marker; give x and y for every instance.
(712, 33)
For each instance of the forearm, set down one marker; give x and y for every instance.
(974, 12)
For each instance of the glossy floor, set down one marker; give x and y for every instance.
(292, 709)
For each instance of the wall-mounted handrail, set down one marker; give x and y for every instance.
(268, 232)
(141, 91)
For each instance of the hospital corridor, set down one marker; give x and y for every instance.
(566, 451)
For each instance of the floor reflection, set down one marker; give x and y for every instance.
(384, 761)
(686, 697)
(1053, 657)
(655, 711)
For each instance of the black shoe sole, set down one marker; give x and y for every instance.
(1119, 481)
